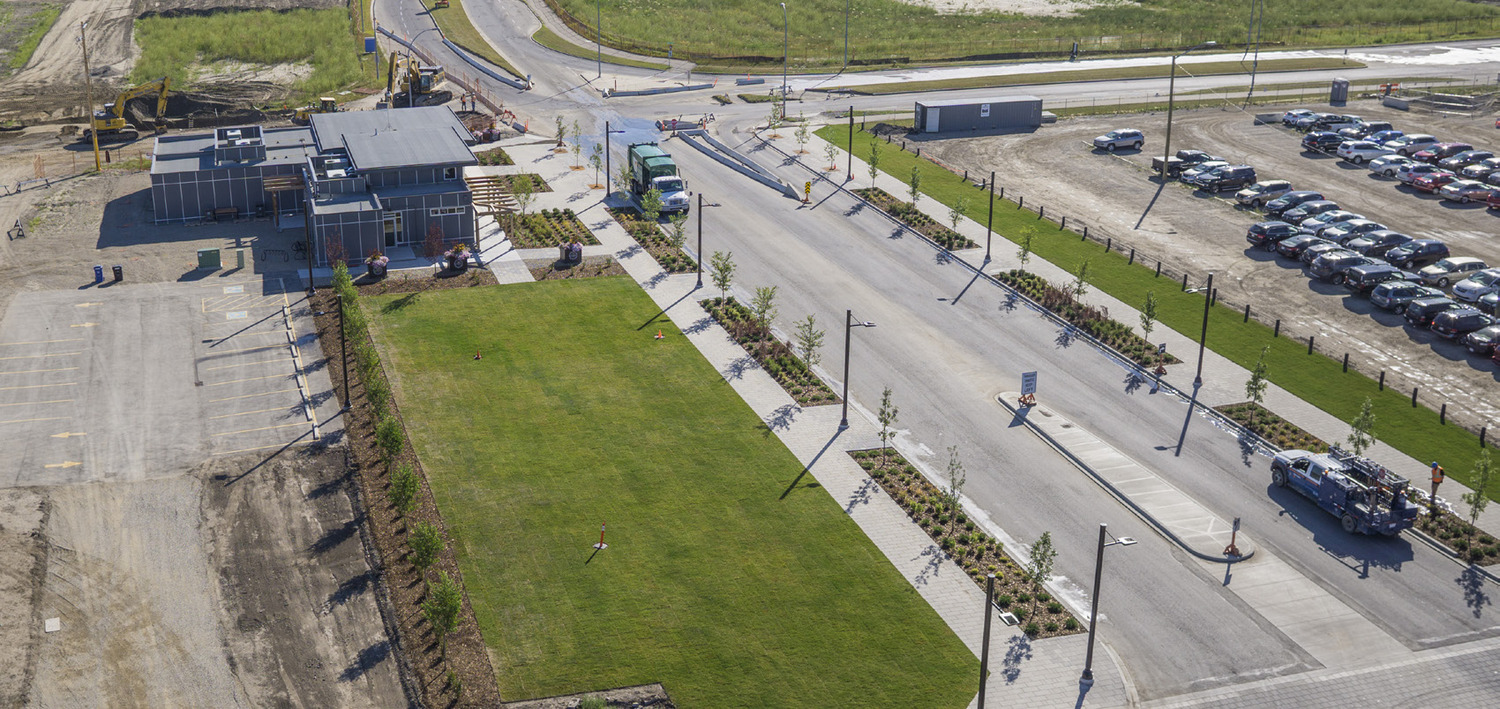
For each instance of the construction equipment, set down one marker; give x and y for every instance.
(326, 104)
(440, 4)
(110, 121)
(1365, 496)
(412, 83)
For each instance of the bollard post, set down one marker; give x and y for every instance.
(1277, 331)
(1021, 202)
(1346, 362)
(1482, 431)
(1414, 397)
(1184, 282)
(966, 175)
(1132, 257)
(1309, 344)
(1002, 191)
(1109, 243)
(1158, 268)
(1041, 212)
(1064, 225)
(1382, 380)
(1085, 236)
(1247, 312)
(1213, 297)
(1443, 414)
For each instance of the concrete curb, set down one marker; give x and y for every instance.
(738, 163)
(662, 90)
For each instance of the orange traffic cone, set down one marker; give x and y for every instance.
(477, 355)
(659, 335)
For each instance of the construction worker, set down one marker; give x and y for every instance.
(1437, 479)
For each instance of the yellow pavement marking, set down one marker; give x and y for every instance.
(251, 379)
(246, 413)
(41, 342)
(67, 434)
(264, 428)
(39, 386)
(242, 306)
(84, 324)
(49, 401)
(49, 418)
(87, 305)
(248, 349)
(246, 364)
(247, 396)
(54, 354)
(258, 448)
(64, 464)
(40, 371)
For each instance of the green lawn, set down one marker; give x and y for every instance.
(719, 582)
(549, 39)
(1124, 72)
(1315, 378)
(455, 24)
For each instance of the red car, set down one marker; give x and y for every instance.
(1440, 151)
(1433, 182)
(1494, 200)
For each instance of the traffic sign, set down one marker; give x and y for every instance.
(1161, 349)
(1028, 383)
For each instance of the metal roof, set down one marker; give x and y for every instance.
(977, 101)
(396, 137)
(190, 152)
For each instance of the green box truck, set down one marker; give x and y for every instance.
(650, 166)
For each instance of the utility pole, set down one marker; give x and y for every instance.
(88, 81)
(990, 221)
(700, 242)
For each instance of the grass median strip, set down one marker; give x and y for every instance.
(1111, 74)
(456, 27)
(720, 581)
(549, 39)
(1317, 379)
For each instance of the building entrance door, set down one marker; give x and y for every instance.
(393, 233)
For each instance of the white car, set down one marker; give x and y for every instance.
(1123, 138)
(1361, 151)
(1261, 192)
(1193, 172)
(1408, 174)
(1474, 287)
(1410, 144)
(1390, 163)
(1289, 118)
(1315, 224)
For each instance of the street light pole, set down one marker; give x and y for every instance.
(990, 221)
(984, 650)
(850, 177)
(599, 37)
(1171, 86)
(700, 242)
(1208, 301)
(785, 58)
(849, 326)
(1088, 663)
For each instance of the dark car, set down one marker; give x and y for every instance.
(1489, 303)
(1481, 169)
(1331, 266)
(1345, 232)
(1293, 247)
(1464, 159)
(1420, 312)
(1455, 323)
(1291, 200)
(1321, 141)
(1366, 128)
(1483, 340)
(1417, 253)
(1395, 295)
(1308, 209)
(1313, 251)
(1441, 151)
(1266, 234)
(1363, 279)
(1231, 177)
(1376, 243)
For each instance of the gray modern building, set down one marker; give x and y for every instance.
(360, 181)
(992, 114)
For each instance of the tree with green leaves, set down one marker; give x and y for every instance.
(1081, 280)
(915, 184)
(1362, 428)
(809, 340)
(623, 178)
(441, 609)
(426, 542)
(390, 438)
(1039, 566)
(562, 131)
(887, 418)
(523, 189)
(874, 161)
(831, 151)
(956, 480)
(577, 155)
(1148, 315)
(651, 205)
(404, 488)
(801, 135)
(1255, 386)
(763, 307)
(1478, 498)
(677, 230)
(1023, 252)
(721, 269)
(958, 210)
(597, 161)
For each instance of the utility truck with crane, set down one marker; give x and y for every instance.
(110, 123)
(1365, 496)
(652, 167)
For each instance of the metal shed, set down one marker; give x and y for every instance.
(998, 113)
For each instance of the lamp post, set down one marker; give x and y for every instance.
(1171, 86)
(849, 325)
(850, 176)
(984, 650)
(1208, 301)
(599, 38)
(607, 175)
(989, 222)
(1088, 663)
(700, 242)
(785, 58)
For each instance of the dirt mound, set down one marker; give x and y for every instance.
(178, 8)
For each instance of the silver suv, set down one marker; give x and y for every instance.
(1123, 138)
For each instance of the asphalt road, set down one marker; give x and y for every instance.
(947, 345)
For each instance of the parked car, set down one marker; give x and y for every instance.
(1409, 144)
(1316, 224)
(1361, 151)
(1289, 118)
(1420, 312)
(1183, 160)
(1345, 232)
(1230, 177)
(1395, 295)
(1477, 285)
(1267, 234)
(1434, 181)
(1376, 243)
(1363, 129)
(1305, 123)
(1364, 278)
(1260, 193)
(1321, 141)
(1489, 303)
(1448, 270)
(1331, 265)
(1464, 159)
(1290, 201)
(1307, 210)
(1334, 123)
(1385, 136)
(1190, 174)
(1457, 322)
(1440, 151)
(1123, 138)
(1312, 252)
(1466, 191)
(1408, 174)
(1417, 253)
(1493, 179)
(1294, 246)
(1480, 170)
(1390, 163)
(1482, 341)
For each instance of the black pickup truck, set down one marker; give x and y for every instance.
(1183, 160)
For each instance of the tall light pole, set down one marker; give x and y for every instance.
(1088, 663)
(1171, 86)
(989, 222)
(849, 325)
(607, 175)
(700, 242)
(984, 650)
(850, 176)
(1208, 301)
(599, 37)
(785, 58)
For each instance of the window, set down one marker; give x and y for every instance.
(445, 211)
(450, 173)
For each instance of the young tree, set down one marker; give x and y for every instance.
(1148, 315)
(801, 135)
(874, 161)
(887, 418)
(774, 120)
(1080, 281)
(1478, 498)
(831, 151)
(1362, 428)
(763, 306)
(651, 205)
(1024, 252)
(809, 340)
(957, 211)
(956, 480)
(523, 189)
(623, 177)
(577, 155)
(426, 543)
(597, 161)
(389, 437)
(916, 184)
(1255, 386)
(441, 609)
(1039, 568)
(721, 268)
(404, 488)
(677, 230)
(562, 131)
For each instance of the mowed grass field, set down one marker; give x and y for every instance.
(718, 582)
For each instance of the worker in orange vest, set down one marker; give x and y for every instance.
(1437, 479)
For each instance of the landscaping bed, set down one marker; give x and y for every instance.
(914, 218)
(495, 156)
(558, 270)
(423, 280)
(1091, 319)
(1464, 540)
(773, 355)
(651, 238)
(550, 227)
(976, 552)
(1276, 430)
(538, 185)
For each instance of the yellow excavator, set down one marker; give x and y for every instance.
(405, 78)
(110, 121)
(326, 104)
